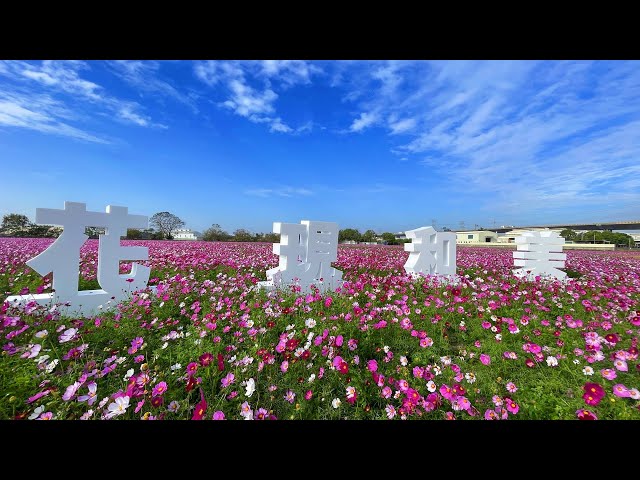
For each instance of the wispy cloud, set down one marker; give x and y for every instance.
(63, 79)
(40, 113)
(535, 136)
(250, 87)
(145, 76)
(278, 192)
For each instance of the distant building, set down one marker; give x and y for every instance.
(185, 234)
(636, 239)
(510, 236)
(476, 236)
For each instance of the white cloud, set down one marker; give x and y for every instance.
(250, 87)
(63, 77)
(39, 113)
(365, 120)
(144, 75)
(402, 126)
(563, 133)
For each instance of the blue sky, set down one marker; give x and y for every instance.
(382, 145)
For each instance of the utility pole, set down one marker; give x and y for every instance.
(434, 224)
(461, 224)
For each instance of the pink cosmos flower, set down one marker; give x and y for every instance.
(386, 391)
(391, 411)
(372, 365)
(159, 389)
(262, 414)
(511, 387)
(91, 396)
(218, 415)
(290, 396)
(608, 373)
(192, 368)
(308, 394)
(403, 385)
(490, 414)
(205, 359)
(339, 340)
(139, 406)
(70, 392)
(511, 406)
(619, 390)
(621, 365)
(284, 366)
(446, 392)
(139, 359)
(45, 416)
(485, 359)
(228, 380)
(352, 395)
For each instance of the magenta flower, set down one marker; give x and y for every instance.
(593, 393)
(511, 387)
(485, 359)
(201, 408)
(511, 406)
(284, 366)
(228, 380)
(339, 340)
(585, 415)
(192, 368)
(262, 414)
(159, 389)
(619, 390)
(372, 365)
(218, 415)
(206, 359)
(308, 395)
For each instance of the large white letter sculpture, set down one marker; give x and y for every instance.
(432, 253)
(539, 253)
(63, 259)
(306, 251)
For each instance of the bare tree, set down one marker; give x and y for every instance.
(166, 223)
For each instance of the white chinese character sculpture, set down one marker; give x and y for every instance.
(539, 253)
(432, 252)
(63, 259)
(306, 251)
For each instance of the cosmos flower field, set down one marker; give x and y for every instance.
(208, 345)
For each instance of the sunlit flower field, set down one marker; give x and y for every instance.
(209, 345)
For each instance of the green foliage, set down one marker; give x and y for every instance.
(349, 234)
(215, 234)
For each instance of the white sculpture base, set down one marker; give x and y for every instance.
(89, 303)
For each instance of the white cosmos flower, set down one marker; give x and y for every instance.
(335, 403)
(251, 387)
(36, 413)
(67, 335)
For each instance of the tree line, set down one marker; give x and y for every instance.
(598, 236)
